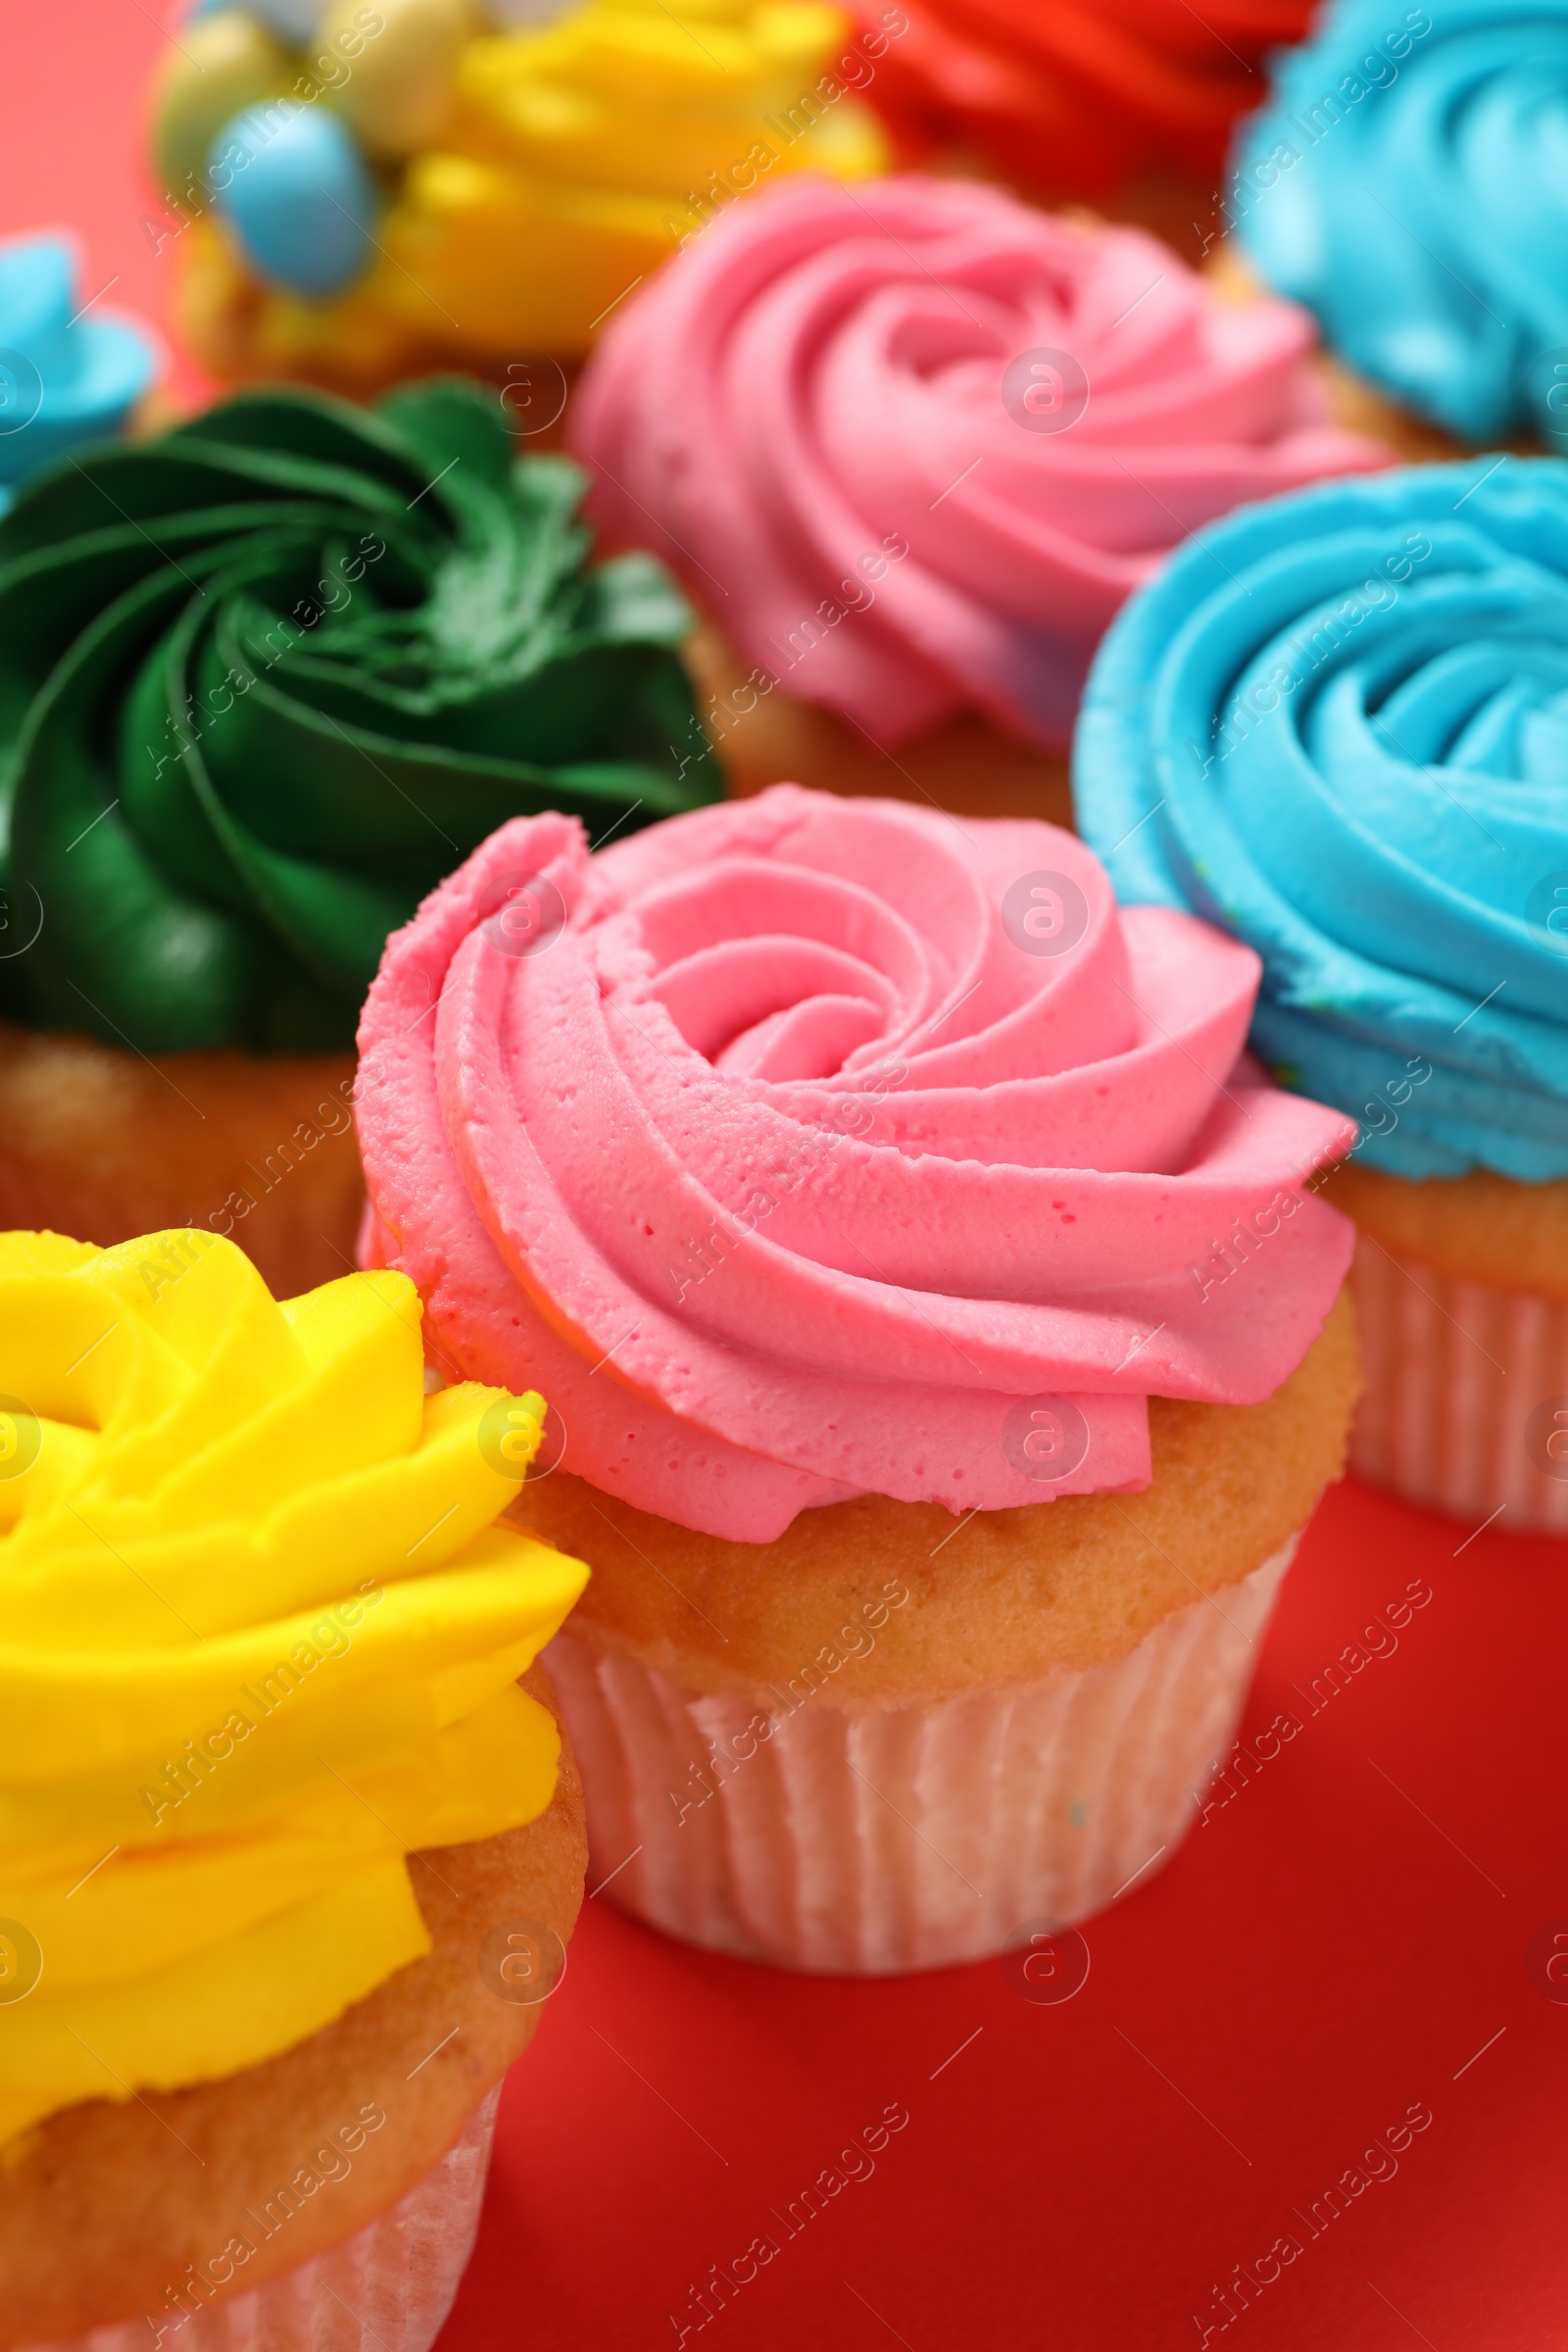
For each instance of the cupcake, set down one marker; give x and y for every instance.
(268, 678)
(1333, 725)
(1403, 181)
(68, 373)
(1127, 104)
(946, 1352)
(365, 193)
(290, 1859)
(910, 448)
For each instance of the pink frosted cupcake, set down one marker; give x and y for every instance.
(909, 447)
(945, 1351)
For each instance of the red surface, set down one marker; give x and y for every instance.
(1325, 1952)
(1334, 1946)
(73, 81)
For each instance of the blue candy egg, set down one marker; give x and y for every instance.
(297, 194)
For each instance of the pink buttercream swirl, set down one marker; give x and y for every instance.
(802, 1148)
(912, 443)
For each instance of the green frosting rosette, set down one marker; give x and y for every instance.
(267, 679)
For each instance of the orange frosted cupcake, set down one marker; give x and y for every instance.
(1124, 104)
(854, 1178)
(290, 1859)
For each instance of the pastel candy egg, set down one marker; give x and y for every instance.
(293, 20)
(297, 195)
(224, 62)
(403, 81)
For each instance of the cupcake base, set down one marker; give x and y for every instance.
(1461, 1297)
(105, 1145)
(1466, 1401)
(895, 1738)
(1179, 207)
(883, 1839)
(965, 765)
(324, 2200)
(391, 2286)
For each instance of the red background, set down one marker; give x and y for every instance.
(1333, 1946)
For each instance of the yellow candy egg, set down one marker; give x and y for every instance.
(222, 64)
(401, 84)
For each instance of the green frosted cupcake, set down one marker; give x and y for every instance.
(265, 681)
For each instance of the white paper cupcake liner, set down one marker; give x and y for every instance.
(1462, 1386)
(388, 2289)
(905, 1836)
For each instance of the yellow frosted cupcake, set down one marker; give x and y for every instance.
(431, 180)
(286, 1857)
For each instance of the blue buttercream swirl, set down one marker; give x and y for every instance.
(1408, 181)
(70, 370)
(1336, 724)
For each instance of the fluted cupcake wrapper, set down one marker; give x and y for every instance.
(386, 2289)
(1465, 1407)
(898, 1838)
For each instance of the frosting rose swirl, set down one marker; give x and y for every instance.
(807, 1147)
(1405, 180)
(1074, 98)
(265, 679)
(914, 444)
(260, 1640)
(1337, 725)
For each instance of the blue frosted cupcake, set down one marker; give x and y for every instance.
(1337, 724)
(1408, 181)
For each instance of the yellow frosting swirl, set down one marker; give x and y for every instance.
(573, 161)
(259, 1641)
